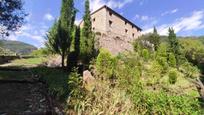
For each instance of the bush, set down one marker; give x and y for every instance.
(105, 63)
(163, 62)
(172, 77)
(162, 103)
(41, 52)
(76, 91)
(172, 60)
(145, 54)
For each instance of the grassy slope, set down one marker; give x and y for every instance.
(18, 47)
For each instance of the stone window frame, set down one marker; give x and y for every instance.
(126, 22)
(110, 23)
(126, 31)
(110, 13)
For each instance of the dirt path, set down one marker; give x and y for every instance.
(22, 96)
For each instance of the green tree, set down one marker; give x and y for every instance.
(172, 60)
(87, 38)
(66, 23)
(155, 39)
(60, 35)
(52, 39)
(172, 77)
(11, 16)
(173, 44)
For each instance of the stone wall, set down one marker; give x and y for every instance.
(115, 44)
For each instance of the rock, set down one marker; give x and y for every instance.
(54, 61)
(88, 80)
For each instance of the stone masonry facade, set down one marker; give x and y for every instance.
(113, 31)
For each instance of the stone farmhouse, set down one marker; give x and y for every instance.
(113, 31)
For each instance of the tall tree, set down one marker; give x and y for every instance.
(60, 36)
(87, 39)
(155, 39)
(173, 44)
(11, 16)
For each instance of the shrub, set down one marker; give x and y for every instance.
(41, 52)
(172, 77)
(162, 103)
(76, 91)
(172, 60)
(190, 71)
(105, 63)
(163, 62)
(145, 54)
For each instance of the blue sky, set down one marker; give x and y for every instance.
(185, 16)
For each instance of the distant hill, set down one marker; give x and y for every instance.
(18, 47)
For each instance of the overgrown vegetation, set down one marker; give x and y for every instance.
(155, 78)
(142, 82)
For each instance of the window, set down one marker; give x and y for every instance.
(133, 35)
(125, 23)
(94, 19)
(132, 26)
(110, 13)
(110, 23)
(93, 28)
(126, 31)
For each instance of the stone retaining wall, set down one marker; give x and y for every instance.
(6, 59)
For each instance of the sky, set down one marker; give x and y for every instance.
(185, 16)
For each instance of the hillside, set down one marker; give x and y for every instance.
(17, 47)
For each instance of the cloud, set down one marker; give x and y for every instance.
(189, 23)
(48, 17)
(169, 12)
(30, 32)
(143, 17)
(95, 4)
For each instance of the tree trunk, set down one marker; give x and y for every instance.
(63, 60)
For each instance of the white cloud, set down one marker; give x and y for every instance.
(36, 33)
(193, 22)
(48, 17)
(169, 12)
(95, 4)
(143, 18)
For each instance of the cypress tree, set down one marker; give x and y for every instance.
(155, 39)
(66, 22)
(60, 36)
(173, 44)
(87, 39)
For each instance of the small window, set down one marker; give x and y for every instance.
(133, 35)
(93, 28)
(132, 26)
(94, 19)
(126, 31)
(110, 23)
(125, 23)
(110, 14)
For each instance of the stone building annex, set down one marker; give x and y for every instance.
(113, 31)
